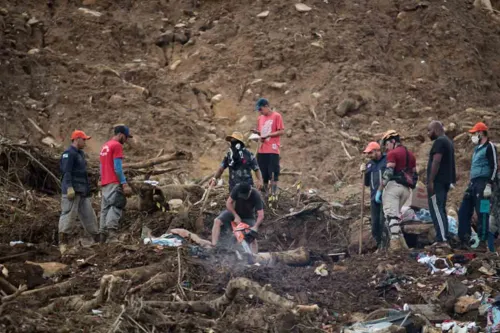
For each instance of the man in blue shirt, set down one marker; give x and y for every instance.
(483, 172)
(374, 171)
(75, 191)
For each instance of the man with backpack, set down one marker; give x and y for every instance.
(399, 176)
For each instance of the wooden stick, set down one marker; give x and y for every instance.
(362, 211)
(7, 286)
(179, 155)
(345, 150)
(13, 256)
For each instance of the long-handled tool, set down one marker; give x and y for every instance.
(200, 223)
(362, 211)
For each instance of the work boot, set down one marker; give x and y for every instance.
(112, 236)
(397, 243)
(63, 242)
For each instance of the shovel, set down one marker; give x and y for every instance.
(200, 223)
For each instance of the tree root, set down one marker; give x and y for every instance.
(158, 282)
(234, 286)
(138, 274)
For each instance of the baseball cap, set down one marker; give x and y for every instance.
(77, 134)
(371, 147)
(260, 103)
(123, 130)
(243, 190)
(479, 127)
(236, 135)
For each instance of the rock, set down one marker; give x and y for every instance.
(375, 124)
(180, 25)
(256, 81)
(249, 92)
(310, 130)
(302, 8)
(88, 2)
(192, 20)
(175, 204)
(216, 99)
(90, 12)
(242, 119)
(402, 15)
(3, 11)
(338, 268)
(51, 142)
(34, 51)
(287, 92)
(297, 106)
(277, 85)
(212, 137)
(263, 14)
(316, 94)
(116, 99)
(317, 44)
(221, 46)
(288, 133)
(33, 21)
(346, 106)
(176, 64)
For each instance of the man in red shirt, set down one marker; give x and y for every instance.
(399, 176)
(270, 127)
(113, 184)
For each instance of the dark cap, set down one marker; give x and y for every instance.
(122, 129)
(244, 190)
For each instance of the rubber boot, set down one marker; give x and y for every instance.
(112, 236)
(63, 243)
(102, 237)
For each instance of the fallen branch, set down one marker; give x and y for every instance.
(14, 256)
(191, 236)
(299, 256)
(138, 273)
(159, 281)
(345, 150)
(179, 155)
(40, 164)
(233, 287)
(53, 290)
(7, 286)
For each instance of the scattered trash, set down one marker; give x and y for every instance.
(97, 312)
(465, 304)
(169, 240)
(487, 271)
(321, 270)
(152, 182)
(13, 243)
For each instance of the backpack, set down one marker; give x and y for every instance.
(406, 177)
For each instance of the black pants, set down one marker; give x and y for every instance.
(269, 165)
(377, 215)
(472, 201)
(437, 207)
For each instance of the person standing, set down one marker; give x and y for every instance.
(483, 172)
(113, 184)
(240, 162)
(373, 171)
(270, 128)
(75, 191)
(399, 176)
(441, 174)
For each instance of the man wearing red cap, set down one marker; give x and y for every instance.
(75, 191)
(483, 172)
(114, 185)
(374, 171)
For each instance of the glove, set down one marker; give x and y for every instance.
(70, 193)
(378, 197)
(362, 167)
(487, 191)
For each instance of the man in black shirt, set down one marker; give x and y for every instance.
(440, 175)
(241, 206)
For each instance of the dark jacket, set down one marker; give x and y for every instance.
(74, 171)
(373, 175)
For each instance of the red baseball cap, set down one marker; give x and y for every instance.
(79, 135)
(371, 147)
(479, 127)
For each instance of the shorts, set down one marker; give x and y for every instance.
(226, 217)
(269, 165)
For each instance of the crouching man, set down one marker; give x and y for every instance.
(241, 206)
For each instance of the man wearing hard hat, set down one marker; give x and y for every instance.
(373, 171)
(240, 161)
(483, 172)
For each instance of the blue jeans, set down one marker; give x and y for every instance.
(437, 207)
(472, 201)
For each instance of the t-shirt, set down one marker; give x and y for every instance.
(267, 125)
(240, 171)
(246, 208)
(446, 173)
(398, 156)
(111, 150)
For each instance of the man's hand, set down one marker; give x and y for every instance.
(362, 168)
(127, 190)
(430, 189)
(70, 193)
(255, 228)
(258, 184)
(487, 191)
(213, 182)
(378, 197)
(237, 219)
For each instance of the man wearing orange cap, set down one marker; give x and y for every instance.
(483, 172)
(75, 191)
(374, 171)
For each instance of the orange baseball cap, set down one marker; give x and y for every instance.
(79, 135)
(479, 127)
(371, 147)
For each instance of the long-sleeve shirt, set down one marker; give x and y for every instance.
(74, 171)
